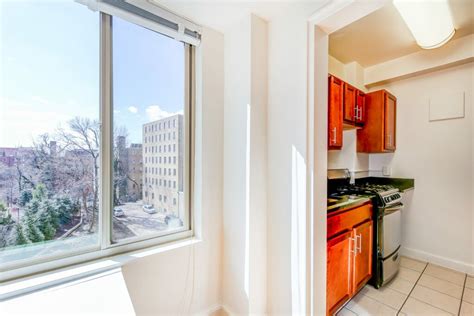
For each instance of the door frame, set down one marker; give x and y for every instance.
(330, 17)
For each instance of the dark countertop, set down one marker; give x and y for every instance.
(344, 202)
(403, 184)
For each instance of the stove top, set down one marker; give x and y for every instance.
(387, 194)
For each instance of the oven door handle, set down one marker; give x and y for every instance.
(394, 208)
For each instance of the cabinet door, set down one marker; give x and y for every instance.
(390, 113)
(339, 266)
(349, 103)
(335, 99)
(362, 266)
(360, 108)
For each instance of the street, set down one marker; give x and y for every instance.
(137, 222)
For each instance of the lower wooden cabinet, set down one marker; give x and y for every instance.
(349, 256)
(362, 266)
(339, 266)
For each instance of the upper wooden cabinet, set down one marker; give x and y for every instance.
(335, 99)
(346, 110)
(349, 103)
(360, 108)
(379, 132)
(354, 106)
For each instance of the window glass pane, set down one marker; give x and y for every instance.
(49, 129)
(149, 96)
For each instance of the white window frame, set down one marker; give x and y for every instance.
(106, 247)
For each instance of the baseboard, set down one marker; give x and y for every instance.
(216, 310)
(439, 260)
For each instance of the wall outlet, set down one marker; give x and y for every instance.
(386, 171)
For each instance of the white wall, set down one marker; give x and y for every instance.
(237, 98)
(287, 117)
(257, 177)
(245, 167)
(438, 220)
(179, 281)
(348, 157)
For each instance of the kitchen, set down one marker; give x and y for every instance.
(400, 167)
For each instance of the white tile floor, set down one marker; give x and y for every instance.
(419, 288)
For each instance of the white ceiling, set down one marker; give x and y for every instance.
(383, 35)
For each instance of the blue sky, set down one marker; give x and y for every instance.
(50, 70)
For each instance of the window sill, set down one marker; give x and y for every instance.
(36, 282)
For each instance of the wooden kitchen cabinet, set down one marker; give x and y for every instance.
(346, 110)
(360, 108)
(349, 103)
(335, 112)
(349, 254)
(339, 265)
(354, 107)
(379, 132)
(363, 260)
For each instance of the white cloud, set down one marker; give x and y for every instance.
(133, 109)
(154, 113)
(21, 122)
(40, 100)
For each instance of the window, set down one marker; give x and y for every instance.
(63, 205)
(50, 173)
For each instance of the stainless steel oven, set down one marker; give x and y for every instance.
(389, 241)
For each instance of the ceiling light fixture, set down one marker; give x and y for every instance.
(429, 21)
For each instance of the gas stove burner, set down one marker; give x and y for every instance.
(388, 195)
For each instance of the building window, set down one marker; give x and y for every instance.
(79, 162)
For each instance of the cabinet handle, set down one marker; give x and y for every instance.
(389, 139)
(334, 130)
(359, 112)
(360, 242)
(354, 245)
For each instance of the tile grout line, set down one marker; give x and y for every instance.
(424, 302)
(435, 290)
(462, 294)
(436, 307)
(434, 276)
(408, 296)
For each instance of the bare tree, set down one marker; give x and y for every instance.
(83, 138)
(8, 184)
